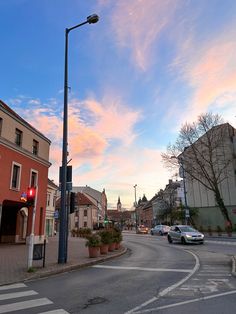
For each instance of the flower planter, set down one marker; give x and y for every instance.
(104, 248)
(93, 251)
(117, 246)
(111, 247)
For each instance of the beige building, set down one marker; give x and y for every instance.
(50, 208)
(223, 156)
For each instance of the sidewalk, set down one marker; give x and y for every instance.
(13, 260)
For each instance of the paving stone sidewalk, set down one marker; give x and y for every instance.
(13, 260)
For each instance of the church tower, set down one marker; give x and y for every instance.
(119, 205)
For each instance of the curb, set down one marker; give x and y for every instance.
(68, 268)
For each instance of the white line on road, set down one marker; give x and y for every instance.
(60, 311)
(145, 269)
(14, 286)
(168, 289)
(6, 308)
(7, 296)
(186, 302)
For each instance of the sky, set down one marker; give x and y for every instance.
(136, 76)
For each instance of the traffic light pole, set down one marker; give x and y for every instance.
(31, 237)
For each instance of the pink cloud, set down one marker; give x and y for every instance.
(138, 24)
(211, 73)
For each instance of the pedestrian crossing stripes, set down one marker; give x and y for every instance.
(14, 291)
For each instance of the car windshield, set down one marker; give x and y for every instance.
(187, 229)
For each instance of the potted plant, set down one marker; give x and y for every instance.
(117, 239)
(93, 243)
(112, 244)
(106, 239)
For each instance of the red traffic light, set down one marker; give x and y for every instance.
(31, 192)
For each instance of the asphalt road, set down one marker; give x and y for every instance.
(153, 277)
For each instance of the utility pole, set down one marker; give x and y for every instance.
(135, 205)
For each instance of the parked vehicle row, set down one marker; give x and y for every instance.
(160, 230)
(177, 233)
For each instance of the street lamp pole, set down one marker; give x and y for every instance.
(62, 255)
(135, 204)
(185, 194)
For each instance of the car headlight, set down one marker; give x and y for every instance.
(188, 236)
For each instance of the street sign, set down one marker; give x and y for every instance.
(187, 213)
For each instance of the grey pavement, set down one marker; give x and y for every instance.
(13, 260)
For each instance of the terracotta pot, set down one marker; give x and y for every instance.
(111, 247)
(104, 248)
(117, 246)
(93, 251)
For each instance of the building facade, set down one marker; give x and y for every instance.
(51, 214)
(24, 162)
(223, 161)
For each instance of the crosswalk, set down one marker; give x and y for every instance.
(18, 297)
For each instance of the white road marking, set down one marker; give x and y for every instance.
(6, 308)
(14, 286)
(167, 290)
(14, 295)
(145, 269)
(186, 302)
(60, 311)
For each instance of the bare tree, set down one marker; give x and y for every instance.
(202, 150)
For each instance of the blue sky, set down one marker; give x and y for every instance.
(135, 77)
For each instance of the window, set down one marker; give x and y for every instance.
(48, 199)
(0, 126)
(85, 224)
(35, 147)
(34, 178)
(18, 138)
(15, 176)
(85, 213)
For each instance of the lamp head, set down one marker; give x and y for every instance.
(94, 18)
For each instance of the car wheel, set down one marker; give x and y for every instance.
(183, 241)
(169, 239)
(151, 233)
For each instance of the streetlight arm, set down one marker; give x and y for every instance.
(78, 25)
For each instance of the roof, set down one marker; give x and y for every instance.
(82, 199)
(96, 195)
(52, 184)
(6, 108)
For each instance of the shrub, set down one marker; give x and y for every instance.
(106, 236)
(93, 240)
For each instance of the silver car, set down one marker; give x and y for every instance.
(185, 234)
(160, 230)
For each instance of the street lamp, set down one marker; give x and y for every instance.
(62, 255)
(186, 211)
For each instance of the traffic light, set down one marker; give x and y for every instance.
(72, 202)
(31, 192)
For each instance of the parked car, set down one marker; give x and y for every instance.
(142, 229)
(185, 234)
(160, 230)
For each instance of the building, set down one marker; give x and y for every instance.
(85, 214)
(24, 156)
(96, 197)
(51, 214)
(218, 145)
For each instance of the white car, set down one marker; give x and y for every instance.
(185, 234)
(160, 230)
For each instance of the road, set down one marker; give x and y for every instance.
(153, 277)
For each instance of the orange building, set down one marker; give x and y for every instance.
(24, 162)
